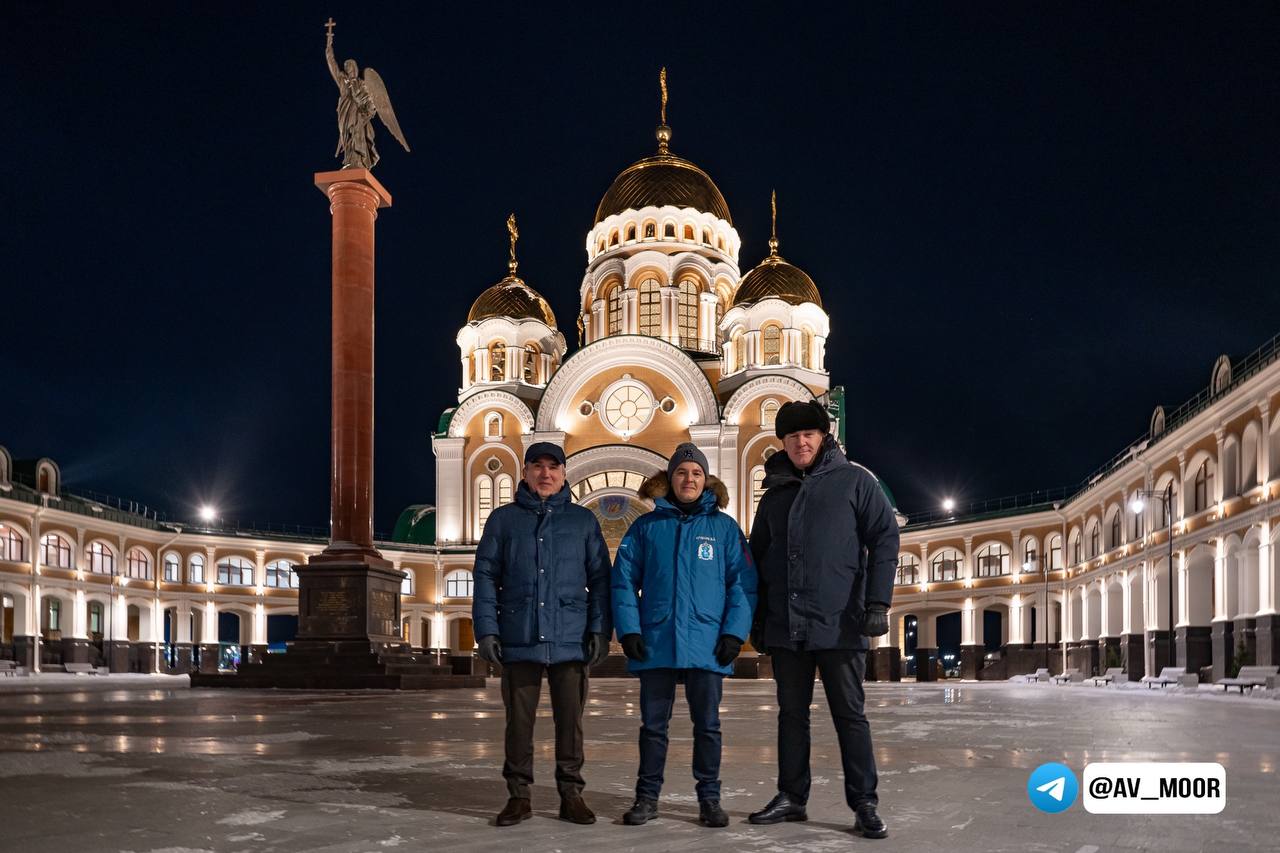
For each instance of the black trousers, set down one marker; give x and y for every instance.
(702, 690)
(842, 673)
(521, 689)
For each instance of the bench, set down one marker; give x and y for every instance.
(1168, 675)
(80, 668)
(1041, 674)
(1114, 673)
(1068, 675)
(8, 668)
(1251, 677)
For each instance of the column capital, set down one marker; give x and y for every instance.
(358, 180)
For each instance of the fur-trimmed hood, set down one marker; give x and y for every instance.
(658, 486)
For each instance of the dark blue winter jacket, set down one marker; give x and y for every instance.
(680, 581)
(541, 579)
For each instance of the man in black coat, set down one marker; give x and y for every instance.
(825, 542)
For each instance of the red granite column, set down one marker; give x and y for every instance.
(354, 198)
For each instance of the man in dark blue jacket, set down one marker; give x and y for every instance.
(825, 540)
(542, 603)
(684, 595)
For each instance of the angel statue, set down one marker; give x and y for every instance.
(359, 100)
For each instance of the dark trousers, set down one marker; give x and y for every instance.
(842, 673)
(702, 690)
(521, 689)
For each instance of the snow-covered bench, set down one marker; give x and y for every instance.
(1114, 673)
(1168, 675)
(80, 668)
(1068, 675)
(1041, 674)
(1251, 677)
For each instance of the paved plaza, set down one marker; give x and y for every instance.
(147, 764)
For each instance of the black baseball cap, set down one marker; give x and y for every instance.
(539, 449)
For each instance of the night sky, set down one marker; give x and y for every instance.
(1030, 223)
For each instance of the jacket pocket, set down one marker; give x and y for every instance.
(515, 615)
(654, 613)
(573, 620)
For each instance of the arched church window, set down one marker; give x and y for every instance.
(689, 314)
(484, 502)
(631, 233)
(1204, 485)
(771, 338)
(650, 307)
(614, 302)
(613, 237)
(669, 231)
(757, 490)
(706, 236)
(506, 489)
(768, 414)
(493, 425)
(739, 350)
(497, 362)
(531, 359)
(688, 232)
(650, 230)
(806, 348)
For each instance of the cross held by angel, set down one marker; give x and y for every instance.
(359, 100)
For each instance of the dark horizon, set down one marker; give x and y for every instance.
(1029, 226)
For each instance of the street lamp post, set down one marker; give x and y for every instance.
(1137, 505)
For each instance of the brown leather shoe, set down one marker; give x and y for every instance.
(516, 810)
(575, 809)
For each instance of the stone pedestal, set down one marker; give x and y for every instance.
(1246, 630)
(1083, 656)
(75, 650)
(1025, 659)
(209, 657)
(925, 659)
(1194, 647)
(182, 658)
(885, 663)
(1133, 655)
(24, 651)
(1158, 642)
(971, 661)
(117, 652)
(1222, 638)
(1267, 641)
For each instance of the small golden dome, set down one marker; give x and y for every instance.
(512, 298)
(663, 179)
(775, 277)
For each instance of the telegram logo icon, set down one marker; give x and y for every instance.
(1052, 788)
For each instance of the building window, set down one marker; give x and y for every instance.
(739, 350)
(806, 348)
(484, 502)
(101, 560)
(614, 303)
(650, 230)
(1204, 484)
(195, 569)
(54, 609)
(1075, 548)
(1162, 509)
(688, 233)
(650, 307)
(993, 561)
(688, 314)
(459, 584)
(631, 233)
(505, 489)
(757, 489)
(669, 231)
(406, 585)
(172, 568)
(1055, 553)
(235, 571)
(280, 574)
(1029, 555)
(945, 565)
(1115, 529)
(768, 414)
(1138, 522)
(12, 545)
(1095, 541)
(908, 570)
(493, 425)
(55, 551)
(771, 337)
(613, 237)
(95, 618)
(627, 407)
(137, 564)
(497, 362)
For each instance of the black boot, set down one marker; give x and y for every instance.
(780, 808)
(710, 813)
(867, 823)
(642, 811)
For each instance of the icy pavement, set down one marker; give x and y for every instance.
(150, 765)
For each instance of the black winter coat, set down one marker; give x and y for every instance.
(825, 544)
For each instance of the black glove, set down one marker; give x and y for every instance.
(876, 623)
(597, 649)
(633, 647)
(757, 639)
(727, 648)
(490, 648)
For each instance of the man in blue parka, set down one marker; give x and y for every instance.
(684, 591)
(541, 602)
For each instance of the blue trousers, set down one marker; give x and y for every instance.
(702, 690)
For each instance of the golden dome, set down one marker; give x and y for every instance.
(663, 179)
(512, 298)
(775, 277)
